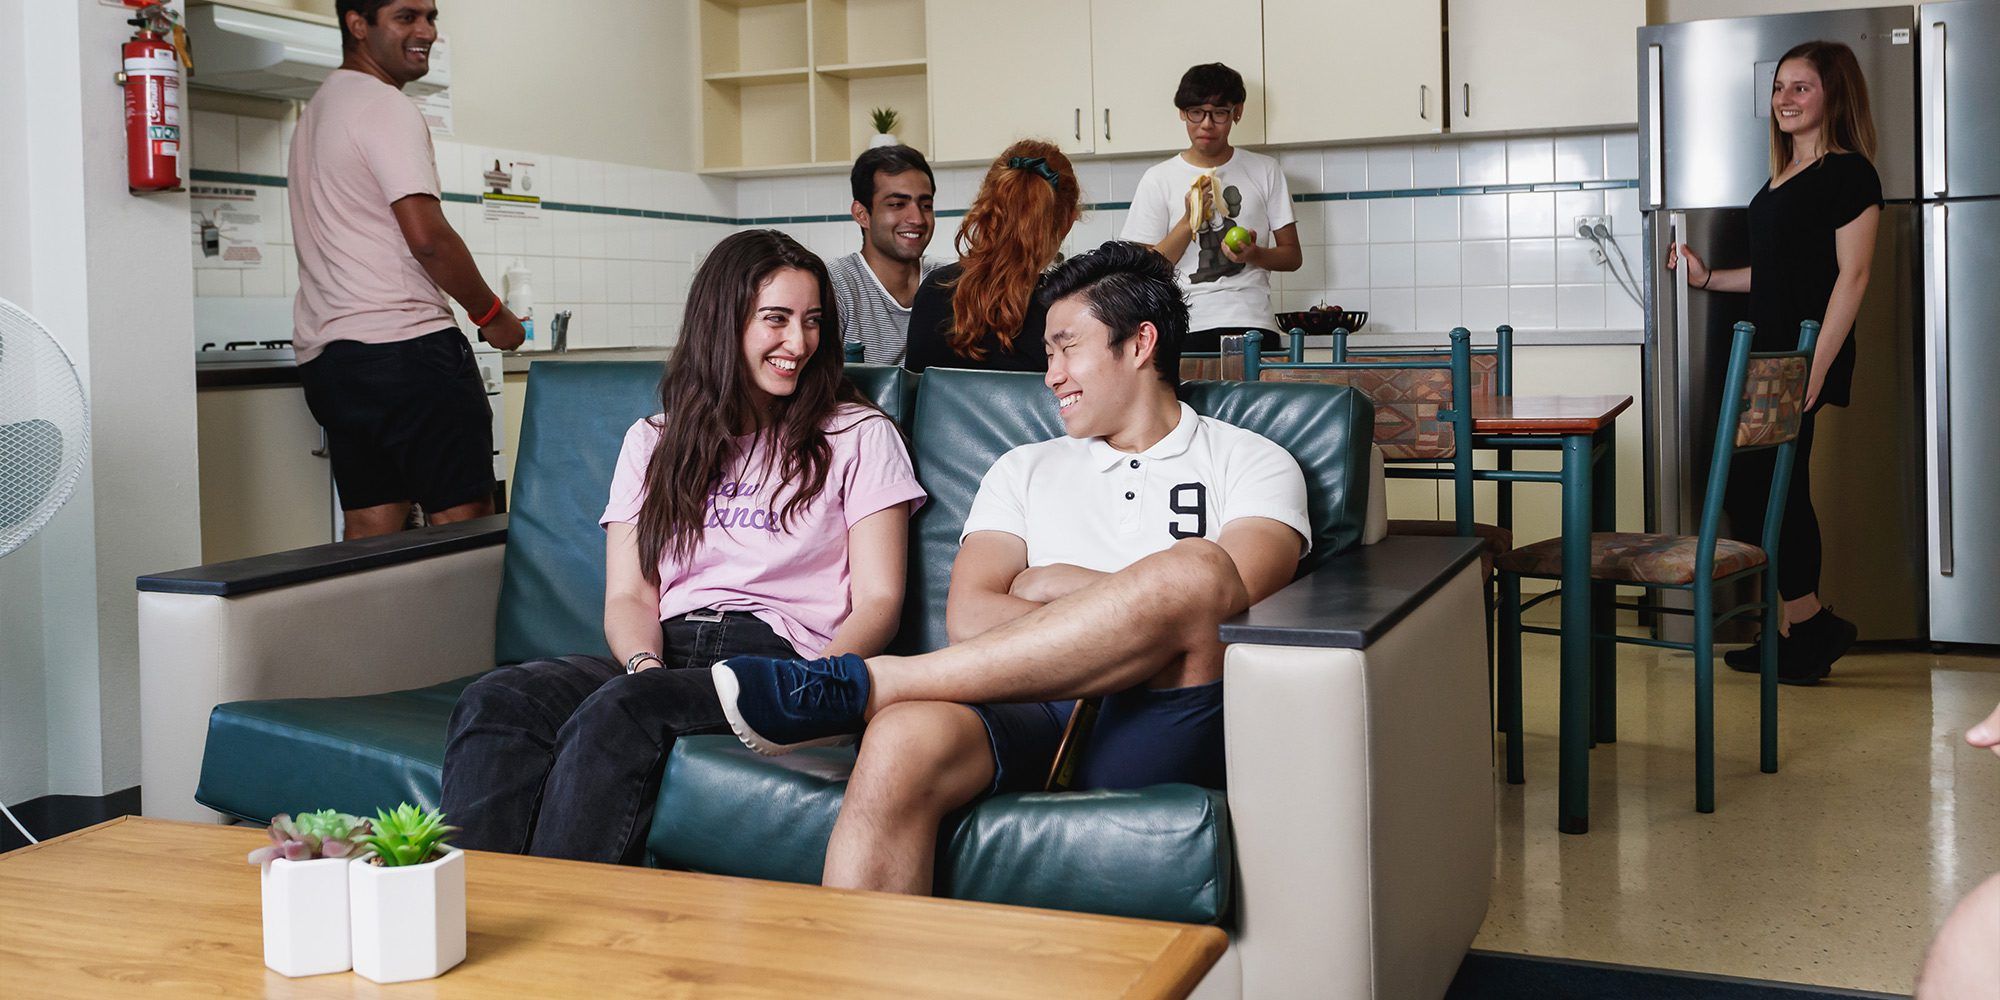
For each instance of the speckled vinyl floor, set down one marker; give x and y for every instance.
(1835, 871)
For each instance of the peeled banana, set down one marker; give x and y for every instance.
(1204, 198)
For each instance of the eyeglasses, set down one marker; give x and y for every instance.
(1195, 116)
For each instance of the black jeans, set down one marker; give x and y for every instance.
(562, 758)
(1748, 495)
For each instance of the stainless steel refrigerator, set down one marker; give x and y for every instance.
(1704, 110)
(1961, 219)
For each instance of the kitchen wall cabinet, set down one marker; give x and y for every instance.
(1140, 48)
(1092, 78)
(1542, 64)
(1352, 69)
(262, 488)
(790, 83)
(1014, 72)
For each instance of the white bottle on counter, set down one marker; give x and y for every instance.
(520, 296)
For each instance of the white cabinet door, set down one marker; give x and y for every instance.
(1536, 64)
(1352, 69)
(1140, 48)
(1004, 72)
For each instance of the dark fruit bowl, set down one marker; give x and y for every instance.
(1321, 322)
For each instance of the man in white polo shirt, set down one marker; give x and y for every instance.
(1096, 564)
(385, 370)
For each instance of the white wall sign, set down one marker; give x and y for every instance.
(229, 226)
(511, 190)
(436, 108)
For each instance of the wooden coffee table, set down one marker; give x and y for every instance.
(139, 907)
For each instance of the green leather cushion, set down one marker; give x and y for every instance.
(356, 755)
(1160, 853)
(965, 420)
(573, 422)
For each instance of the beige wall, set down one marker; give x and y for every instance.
(609, 80)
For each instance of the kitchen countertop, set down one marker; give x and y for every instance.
(518, 362)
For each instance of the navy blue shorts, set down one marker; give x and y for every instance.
(1143, 736)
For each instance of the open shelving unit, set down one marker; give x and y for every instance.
(790, 83)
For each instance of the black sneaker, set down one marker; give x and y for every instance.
(1745, 659)
(1815, 644)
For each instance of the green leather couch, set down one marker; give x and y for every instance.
(1362, 657)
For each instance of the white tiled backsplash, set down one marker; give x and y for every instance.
(1424, 263)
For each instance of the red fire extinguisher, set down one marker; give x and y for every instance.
(152, 82)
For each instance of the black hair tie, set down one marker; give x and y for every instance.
(1038, 165)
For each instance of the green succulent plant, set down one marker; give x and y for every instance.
(407, 836)
(885, 119)
(323, 834)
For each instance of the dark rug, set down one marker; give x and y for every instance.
(1486, 975)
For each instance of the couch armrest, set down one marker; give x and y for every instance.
(1357, 597)
(1360, 774)
(361, 617)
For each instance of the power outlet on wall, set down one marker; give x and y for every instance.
(1576, 230)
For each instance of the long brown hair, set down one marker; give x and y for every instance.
(705, 399)
(1012, 232)
(1847, 126)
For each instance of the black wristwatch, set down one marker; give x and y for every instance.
(632, 664)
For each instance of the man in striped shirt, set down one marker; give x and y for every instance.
(893, 190)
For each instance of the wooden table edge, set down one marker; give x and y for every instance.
(72, 835)
(1490, 424)
(1182, 964)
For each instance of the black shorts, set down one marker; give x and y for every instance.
(1143, 736)
(406, 422)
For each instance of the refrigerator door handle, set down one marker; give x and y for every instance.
(1656, 128)
(1940, 352)
(1677, 231)
(1935, 181)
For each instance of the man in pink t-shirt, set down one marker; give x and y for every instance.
(385, 370)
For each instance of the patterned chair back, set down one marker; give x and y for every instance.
(1774, 401)
(1763, 403)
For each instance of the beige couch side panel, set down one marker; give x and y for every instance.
(378, 630)
(1430, 785)
(1295, 720)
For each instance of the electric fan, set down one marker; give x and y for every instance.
(44, 435)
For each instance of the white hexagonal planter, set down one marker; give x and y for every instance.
(306, 916)
(408, 923)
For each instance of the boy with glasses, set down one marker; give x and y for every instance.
(1228, 289)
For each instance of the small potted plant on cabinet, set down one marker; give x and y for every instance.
(305, 894)
(885, 121)
(408, 894)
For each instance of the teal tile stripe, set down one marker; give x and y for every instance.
(268, 180)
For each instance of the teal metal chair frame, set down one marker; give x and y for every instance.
(1503, 378)
(1604, 634)
(1457, 359)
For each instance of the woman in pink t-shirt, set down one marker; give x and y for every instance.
(765, 511)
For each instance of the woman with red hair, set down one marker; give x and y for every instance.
(982, 312)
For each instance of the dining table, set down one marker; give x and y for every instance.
(1581, 428)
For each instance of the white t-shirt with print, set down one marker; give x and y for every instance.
(1220, 292)
(1082, 502)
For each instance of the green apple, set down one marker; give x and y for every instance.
(1236, 238)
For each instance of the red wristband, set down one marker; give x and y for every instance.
(490, 313)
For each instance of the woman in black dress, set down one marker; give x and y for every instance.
(983, 311)
(1812, 241)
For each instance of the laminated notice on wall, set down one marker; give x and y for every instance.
(511, 190)
(436, 108)
(230, 225)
